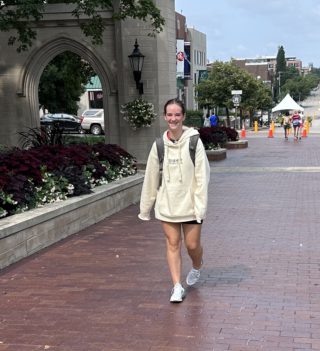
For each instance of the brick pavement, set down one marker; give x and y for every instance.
(107, 287)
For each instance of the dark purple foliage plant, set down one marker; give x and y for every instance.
(216, 137)
(48, 173)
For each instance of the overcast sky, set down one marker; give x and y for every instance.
(251, 28)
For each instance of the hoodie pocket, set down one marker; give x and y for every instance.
(175, 203)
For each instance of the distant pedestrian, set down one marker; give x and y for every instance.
(286, 124)
(301, 123)
(214, 120)
(206, 122)
(296, 120)
(180, 195)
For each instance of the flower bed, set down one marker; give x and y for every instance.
(217, 137)
(50, 173)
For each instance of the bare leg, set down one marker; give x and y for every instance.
(172, 233)
(192, 238)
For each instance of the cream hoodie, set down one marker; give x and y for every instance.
(183, 194)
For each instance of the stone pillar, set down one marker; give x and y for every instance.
(158, 75)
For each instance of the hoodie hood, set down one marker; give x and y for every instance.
(187, 133)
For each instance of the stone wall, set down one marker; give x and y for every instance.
(23, 234)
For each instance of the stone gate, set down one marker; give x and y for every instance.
(58, 32)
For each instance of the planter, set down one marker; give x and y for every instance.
(216, 155)
(23, 234)
(239, 144)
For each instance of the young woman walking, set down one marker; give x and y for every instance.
(180, 198)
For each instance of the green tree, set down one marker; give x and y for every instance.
(315, 71)
(19, 15)
(260, 98)
(299, 87)
(281, 67)
(60, 88)
(281, 60)
(225, 77)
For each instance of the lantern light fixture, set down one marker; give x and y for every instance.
(136, 61)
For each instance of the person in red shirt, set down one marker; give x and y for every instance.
(296, 120)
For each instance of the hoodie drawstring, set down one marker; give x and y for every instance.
(180, 160)
(167, 163)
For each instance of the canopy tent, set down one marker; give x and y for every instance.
(287, 103)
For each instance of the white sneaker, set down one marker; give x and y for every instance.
(178, 293)
(193, 276)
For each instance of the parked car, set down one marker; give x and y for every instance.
(92, 120)
(64, 121)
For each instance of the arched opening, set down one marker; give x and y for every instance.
(39, 60)
(70, 93)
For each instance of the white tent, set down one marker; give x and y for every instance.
(287, 103)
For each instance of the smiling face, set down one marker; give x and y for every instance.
(174, 117)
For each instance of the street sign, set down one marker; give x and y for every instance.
(236, 92)
(236, 99)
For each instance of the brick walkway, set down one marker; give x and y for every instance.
(107, 288)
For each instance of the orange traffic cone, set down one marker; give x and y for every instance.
(270, 135)
(243, 132)
(304, 133)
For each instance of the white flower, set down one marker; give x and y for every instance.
(70, 189)
(3, 213)
(139, 113)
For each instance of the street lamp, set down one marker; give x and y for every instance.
(136, 61)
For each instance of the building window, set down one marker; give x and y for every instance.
(95, 99)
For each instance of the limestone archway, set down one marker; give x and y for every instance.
(57, 32)
(31, 72)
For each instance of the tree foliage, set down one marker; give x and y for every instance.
(299, 87)
(281, 67)
(19, 15)
(315, 71)
(60, 88)
(281, 60)
(225, 77)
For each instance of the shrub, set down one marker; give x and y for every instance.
(83, 139)
(35, 137)
(212, 137)
(194, 118)
(232, 134)
(3, 148)
(49, 173)
(216, 137)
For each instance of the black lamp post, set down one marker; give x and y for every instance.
(136, 61)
